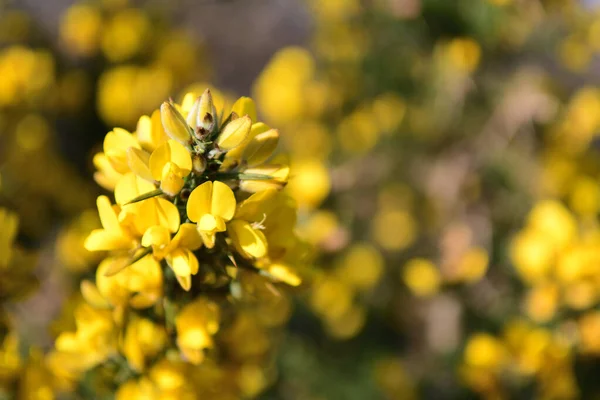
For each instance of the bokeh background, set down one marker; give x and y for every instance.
(444, 159)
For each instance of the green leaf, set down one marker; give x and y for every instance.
(145, 196)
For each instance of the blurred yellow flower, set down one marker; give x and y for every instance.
(196, 323)
(421, 276)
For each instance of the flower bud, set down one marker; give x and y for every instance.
(206, 112)
(261, 147)
(202, 115)
(174, 123)
(234, 133)
(199, 163)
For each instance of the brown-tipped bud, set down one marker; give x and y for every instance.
(206, 113)
(199, 163)
(174, 124)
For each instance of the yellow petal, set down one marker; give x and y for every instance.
(116, 143)
(256, 129)
(178, 261)
(187, 237)
(208, 238)
(245, 106)
(102, 240)
(249, 242)
(193, 262)
(278, 172)
(174, 124)
(137, 160)
(261, 147)
(108, 216)
(144, 299)
(181, 157)
(157, 236)
(150, 132)
(168, 214)
(207, 223)
(131, 186)
(185, 281)
(143, 131)
(223, 201)
(256, 207)
(152, 212)
(199, 202)
(111, 268)
(170, 151)
(234, 133)
(171, 182)
(188, 102)
(283, 273)
(92, 296)
(106, 176)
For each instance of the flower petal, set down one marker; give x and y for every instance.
(245, 106)
(223, 201)
(248, 241)
(261, 148)
(187, 237)
(138, 160)
(199, 202)
(234, 133)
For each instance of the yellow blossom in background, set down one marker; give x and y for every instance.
(196, 324)
(464, 54)
(421, 276)
(80, 29)
(310, 183)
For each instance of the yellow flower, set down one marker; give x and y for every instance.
(125, 34)
(143, 340)
(196, 324)
(80, 29)
(93, 342)
(113, 236)
(484, 351)
(422, 277)
(532, 255)
(141, 389)
(361, 266)
(139, 285)
(116, 144)
(140, 216)
(178, 252)
(278, 171)
(245, 229)
(542, 302)
(310, 184)
(464, 54)
(257, 149)
(168, 164)
(211, 205)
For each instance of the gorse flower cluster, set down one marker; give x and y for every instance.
(200, 227)
(436, 210)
